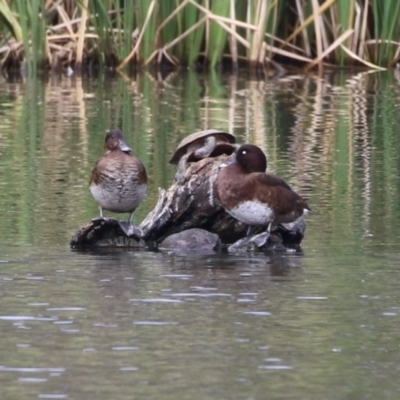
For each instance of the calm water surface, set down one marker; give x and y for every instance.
(118, 324)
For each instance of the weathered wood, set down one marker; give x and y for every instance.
(192, 204)
(104, 233)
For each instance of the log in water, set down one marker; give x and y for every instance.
(192, 204)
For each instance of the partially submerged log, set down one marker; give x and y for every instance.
(104, 233)
(192, 204)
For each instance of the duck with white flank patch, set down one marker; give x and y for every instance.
(255, 197)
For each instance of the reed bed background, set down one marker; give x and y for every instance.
(118, 33)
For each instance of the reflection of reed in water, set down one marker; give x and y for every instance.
(362, 140)
(322, 143)
(65, 106)
(65, 140)
(316, 132)
(329, 146)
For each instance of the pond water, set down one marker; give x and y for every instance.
(120, 324)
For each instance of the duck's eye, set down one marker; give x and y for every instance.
(244, 152)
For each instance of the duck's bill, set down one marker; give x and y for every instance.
(123, 146)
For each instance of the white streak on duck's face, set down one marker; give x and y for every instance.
(252, 213)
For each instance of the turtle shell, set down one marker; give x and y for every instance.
(225, 137)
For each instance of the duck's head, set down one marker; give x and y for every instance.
(115, 141)
(251, 158)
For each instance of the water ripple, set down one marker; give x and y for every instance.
(160, 300)
(312, 298)
(25, 318)
(201, 295)
(259, 313)
(155, 323)
(124, 348)
(276, 367)
(30, 369)
(129, 369)
(32, 380)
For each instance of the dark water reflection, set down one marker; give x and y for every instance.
(123, 324)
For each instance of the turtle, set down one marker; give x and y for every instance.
(201, 144)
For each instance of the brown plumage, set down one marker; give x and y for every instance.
(119, 181)
(253, 196)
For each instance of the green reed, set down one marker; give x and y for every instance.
(387, 29)
(345, 18)
(184, 32)
(104, 47)
(32, 27)
(192, 44)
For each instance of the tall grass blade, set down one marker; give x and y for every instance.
(217, 40)
(260, 17)
(362, 61)
(7, 14)
(332, 47)
(81, 35)
(23, 12)
(232, 39)
(306, 42)
(390, 31)
(147, 20)
(38, 32)
(345, 12)
(363, 33)
(193, 42)
(310, 19)
(318, 38)
(140, 37)
(386, 28)
(172, 27)
(102, 25)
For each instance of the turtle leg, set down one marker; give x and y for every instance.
(129, 228)
(180, 173)
(208, 147)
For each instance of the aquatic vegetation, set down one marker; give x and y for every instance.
(116, 34)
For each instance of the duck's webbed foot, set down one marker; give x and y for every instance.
(241, 244)
(98, 220)
(130, 229)
(260, 239)
(252, 240)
